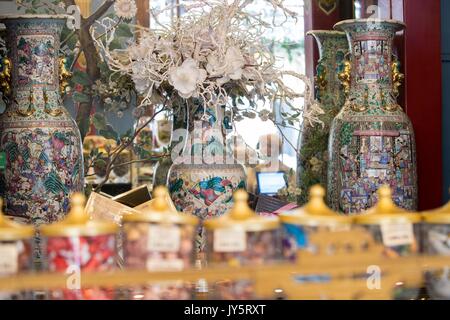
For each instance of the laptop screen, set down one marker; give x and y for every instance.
(270, 182)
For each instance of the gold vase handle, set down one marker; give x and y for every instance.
(5, 77)
(64, 75)
(345, 74)
(30, 110)
(397, 76)
(321, 78)
(52, 112)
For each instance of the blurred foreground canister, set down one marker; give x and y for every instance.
(397, 230)
(77, 245)
(15, 252)
(160, 239)
(436, 241)
(315, 216)
(241, 238)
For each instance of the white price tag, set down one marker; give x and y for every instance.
(164, 238)
(9, 257)
(230, 240)
(397, 234)
(164, 265)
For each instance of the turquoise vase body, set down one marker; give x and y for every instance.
(313, 142)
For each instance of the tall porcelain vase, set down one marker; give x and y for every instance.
(313, 142)
(202, 180)
(372, 139)
(41, 141)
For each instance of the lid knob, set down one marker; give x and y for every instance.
(316, 192)
(385, 202)
(160, 194)
(241, 210)
(77, 214)
(385, 192)
(240, 196)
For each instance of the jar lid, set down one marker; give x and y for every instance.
(160, 210)
(241, 216)
(438, 216)
(11, 231)
(315, 212)
(77, 223)
(386, 211)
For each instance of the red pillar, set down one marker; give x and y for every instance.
(423, 92)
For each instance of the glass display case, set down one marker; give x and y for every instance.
(158, 238)
(76, 245)
(241, 238)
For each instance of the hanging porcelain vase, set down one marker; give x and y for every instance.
(203, 179)
(41, 141)
(372, 139)
(313, 142)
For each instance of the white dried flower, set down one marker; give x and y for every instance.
(125, 9)
(234, 62)
(214, 67)
(140, 77)
(186, 77)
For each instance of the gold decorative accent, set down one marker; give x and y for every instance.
(5, 77)
(386, 211)
(78, 224)
(11, 231)
(54, 113)
(160, 210)
(397, 77)
(64, 75)
(361, 108)
(241, 216)
(346, 76)
(321, 78)
(391, 107)
(316, 212)
(30, 110)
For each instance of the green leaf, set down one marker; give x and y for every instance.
(80, 97)
(99, 121)
(81, 78)
(109, 133)
(123, 30)
(100, 163)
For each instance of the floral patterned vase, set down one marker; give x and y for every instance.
(372, 140)
(41, 141)
(313, 142)
(204, 184)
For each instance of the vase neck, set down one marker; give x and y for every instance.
(206, 131)
(372, 64)
(333, 48)
(33, 50)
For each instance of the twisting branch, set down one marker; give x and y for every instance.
(99, 13)
(87, 46)
(116, 152)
